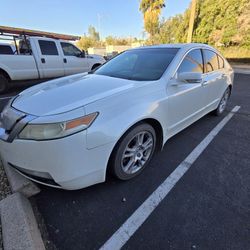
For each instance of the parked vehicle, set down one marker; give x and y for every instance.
(40, 57)
(68, 132)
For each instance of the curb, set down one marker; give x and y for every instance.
(19, 226)
(20, 184)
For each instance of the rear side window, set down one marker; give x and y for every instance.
(48, 48)
(211, 61)
(221, 62)
(6, 50)
(193, 62)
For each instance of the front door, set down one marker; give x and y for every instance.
(74, 60)
(186, 100)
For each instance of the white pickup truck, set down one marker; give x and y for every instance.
(40, 57)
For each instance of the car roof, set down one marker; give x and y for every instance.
(175, 45)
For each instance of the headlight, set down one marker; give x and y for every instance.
(56, 130)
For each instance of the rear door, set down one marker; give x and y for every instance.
(186, 100)
(214, 78)
(74, 60)
(50, 61)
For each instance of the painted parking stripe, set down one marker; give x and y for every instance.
(123, 234)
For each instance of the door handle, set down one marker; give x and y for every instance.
(64, 60)
(43, 60)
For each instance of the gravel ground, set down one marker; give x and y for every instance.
(4, 191)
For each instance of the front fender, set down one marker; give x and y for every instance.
(116, 117)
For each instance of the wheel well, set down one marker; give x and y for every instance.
(156, 126)
(95, 66)
(158, 130)
(5, 74)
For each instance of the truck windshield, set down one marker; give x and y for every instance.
(139, 64)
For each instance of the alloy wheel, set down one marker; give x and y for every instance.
(137, 152)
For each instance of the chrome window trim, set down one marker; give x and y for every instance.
(182, 59)
(201, 48)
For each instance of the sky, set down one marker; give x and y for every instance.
(120, 18)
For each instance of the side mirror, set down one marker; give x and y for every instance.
(189, 77)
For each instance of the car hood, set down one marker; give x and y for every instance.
(68, 93)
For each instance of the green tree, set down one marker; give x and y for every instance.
(93, 34)
(151, 10)
(243, 22)
(90, 40)
(85, 42)
(220, 23)
(174, 29)
(111, 40)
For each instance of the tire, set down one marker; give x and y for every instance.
(139, 145)
(223, 102)
(3, 84)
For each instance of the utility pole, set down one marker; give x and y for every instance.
(191, 21)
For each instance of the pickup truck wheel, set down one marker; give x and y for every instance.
(133, 152)
(3, 83)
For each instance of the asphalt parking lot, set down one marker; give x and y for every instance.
(208, 208)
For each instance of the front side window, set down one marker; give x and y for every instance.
(6, 50)
(48, 48)
(70, 50)
(192, 62)
(211, 60)
(139, 64)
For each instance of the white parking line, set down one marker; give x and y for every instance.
(123, 234)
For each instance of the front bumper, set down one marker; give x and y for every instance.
(67, 160)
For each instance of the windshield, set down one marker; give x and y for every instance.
(139, 64)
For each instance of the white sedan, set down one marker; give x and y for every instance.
(69, 132)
